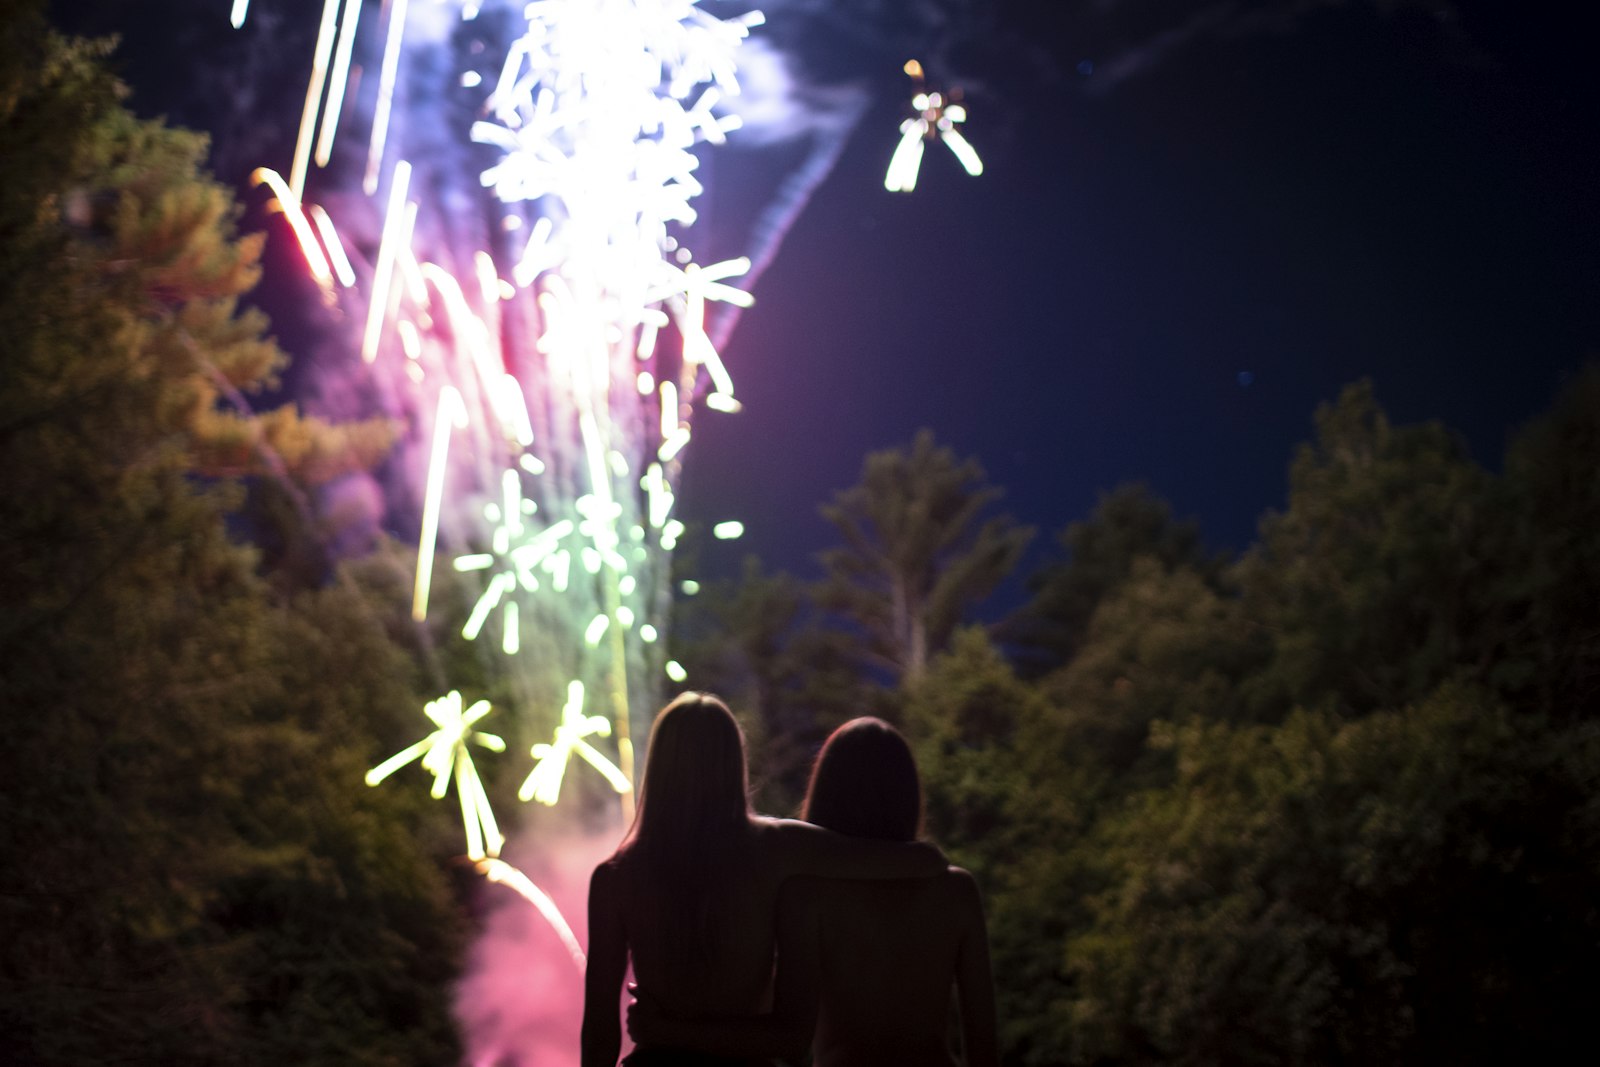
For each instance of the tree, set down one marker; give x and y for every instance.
(1545, 643)
(1316, 892)
(1373, 580)
(759, 643)
(202, 877)
(1000, 803)
(917, 552)
(1127, 524)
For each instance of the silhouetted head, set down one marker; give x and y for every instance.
(865, 784)
(695, 781)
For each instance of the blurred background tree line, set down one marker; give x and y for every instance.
(194, 872)
(1333, 799)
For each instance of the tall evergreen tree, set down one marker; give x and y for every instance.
(918, 552)
(759, 643)
(195, 873)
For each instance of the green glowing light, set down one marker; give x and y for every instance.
(544, 781)
(514, 554)
(673, 444)
(727, 531)
(445, 755)
(676, 672)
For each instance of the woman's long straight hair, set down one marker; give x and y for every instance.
(694, 804)
(865, 783)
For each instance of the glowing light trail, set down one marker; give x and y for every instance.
(304, 234)
(308, 115)
(502, 873)
(544, 781)
(445, 755)
(330, 241)
(452, 413)
(386, 80)
(394, 227)
(240, 9)
(341, 80)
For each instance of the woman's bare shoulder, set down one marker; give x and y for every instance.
(605, 874)
(612, 873)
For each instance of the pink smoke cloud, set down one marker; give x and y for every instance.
(520, 1003)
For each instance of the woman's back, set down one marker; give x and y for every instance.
(716, 960)
(890, 954)
(718, 964)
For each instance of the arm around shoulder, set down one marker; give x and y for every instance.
(810, 850)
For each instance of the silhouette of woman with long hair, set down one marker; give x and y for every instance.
(691, 894)
(865, 968)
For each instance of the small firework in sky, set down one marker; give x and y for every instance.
(936, 117)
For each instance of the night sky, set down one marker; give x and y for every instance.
(1198, 221)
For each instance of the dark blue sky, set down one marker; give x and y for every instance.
(1344, 193)
(1180, 198)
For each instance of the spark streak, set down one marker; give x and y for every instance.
(451, 413)
(394, 223)
(386, 80)
(330, 240)
(544, 781)
(444, 754)
(502, 873)
(341, 79)
(289, 201)
(308, 116)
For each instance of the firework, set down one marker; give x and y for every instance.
(544, 781)
(445, 755)
(935, 119)
(558, 376)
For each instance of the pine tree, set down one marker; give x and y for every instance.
(195, 873)
(918, 553)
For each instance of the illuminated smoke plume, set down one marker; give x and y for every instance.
(520, 1002)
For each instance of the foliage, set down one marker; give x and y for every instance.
(1544, 648)
(1332, 802)
(1372, 579)
(1127, 525)
(1318, 892)
(916, 556)
(760, 643)
(198, 875)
